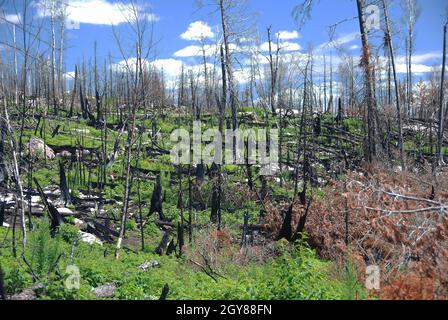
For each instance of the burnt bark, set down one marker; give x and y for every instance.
(65, 193)
(163, 243)
(157, 199)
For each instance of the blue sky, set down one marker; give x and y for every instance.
(172, 18)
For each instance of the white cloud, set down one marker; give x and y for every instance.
(421, 63)
(197, 30)
(171, 68)
(11, 18)
(341, 40)
(421, 58)
(416, 68)
(195, 51)
(284, 46)
(243, 75)
(288, 35)
(100, 12)
(354, 47)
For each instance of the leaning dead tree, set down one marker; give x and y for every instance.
(397, 94)
(15, 163)
(441, 117)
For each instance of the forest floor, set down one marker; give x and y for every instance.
(360, 215)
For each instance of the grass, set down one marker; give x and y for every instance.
(295, 274)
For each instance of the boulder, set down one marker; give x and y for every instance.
(79, 223)
(90, 238)
(27, 294)
(64, 154)
(35, 199)
(149, 265)
(38, 148)
(105, 291)
(82, 153)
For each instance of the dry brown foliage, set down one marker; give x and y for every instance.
(214, 251)
(275, 214)
(410, 248)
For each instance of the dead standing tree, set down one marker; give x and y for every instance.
(411, 13)
(215, 215)
(366, 63)
(273, 66)
(15, 161)
(224, 7)
(389, 43)
(441, 103)
(137, 19)
(301, 13)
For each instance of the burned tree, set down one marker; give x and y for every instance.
(157, 199)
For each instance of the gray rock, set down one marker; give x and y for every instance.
(105, 291)
(90, 238)
(149, 265)
(38, 148)
(27, 294)
(64, 154)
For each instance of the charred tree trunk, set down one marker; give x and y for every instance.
(245, 230)
(65, 193)
(370, 145)
(440, 160)
(397, 95)
(286, 230)
(75, 86)
(2, 286)
(215, 175)
(163, 243)
(180, 238)
(157, 199)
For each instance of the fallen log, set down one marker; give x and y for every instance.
(164, 224)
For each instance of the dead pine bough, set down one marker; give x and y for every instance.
(397, 221)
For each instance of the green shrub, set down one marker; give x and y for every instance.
(43, 250)
(131, 225)
(351, 288)
(69, 233)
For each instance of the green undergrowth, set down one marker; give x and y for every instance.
(296, 273)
